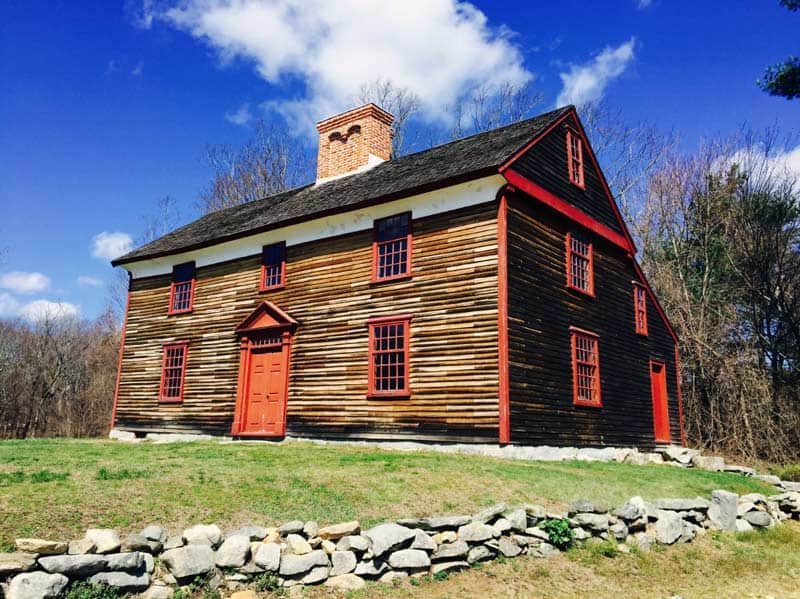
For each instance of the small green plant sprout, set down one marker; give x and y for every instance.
(559, 532)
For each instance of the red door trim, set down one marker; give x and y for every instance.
(657, 420)
(504, 410)
(246, 347)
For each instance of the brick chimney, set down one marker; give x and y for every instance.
(352, 141)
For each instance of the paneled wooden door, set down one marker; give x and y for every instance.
(264, 405)
(658, 386)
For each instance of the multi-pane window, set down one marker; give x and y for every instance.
(181, 294)
(173, 371)
(580, 267)
(388, 358)
(575, 158)
(273, 267)
(392, 247)
(640, 308)
(585, 369)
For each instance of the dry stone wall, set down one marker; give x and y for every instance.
(153, 563)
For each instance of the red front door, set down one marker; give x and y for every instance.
(658, 387)
(265, 400)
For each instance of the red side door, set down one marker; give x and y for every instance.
(658, 387)
(266, 392)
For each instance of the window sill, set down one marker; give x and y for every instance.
(396, 279)
(273, 288)
(399, 395)
(587, 404)
(580, 186)
(177, 312)
(581, 291)
(642, 334)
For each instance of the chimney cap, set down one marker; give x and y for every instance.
(367, 110)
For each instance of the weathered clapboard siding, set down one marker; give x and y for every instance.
(541, 310)
(453, 346)
(546, 165)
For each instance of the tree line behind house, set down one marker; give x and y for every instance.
(718, 232)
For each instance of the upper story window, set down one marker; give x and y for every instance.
(640, 308)
(392, 248)
(580, 263)
(388, 356)
(273, 266)
(575, 158)
(173, 372)
(181, 295)
(585, 368)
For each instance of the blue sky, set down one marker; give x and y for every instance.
(106, 107)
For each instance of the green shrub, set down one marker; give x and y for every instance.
(559, 532)
(787, 472)
(86, 590)
(268, 583)
(47, 476)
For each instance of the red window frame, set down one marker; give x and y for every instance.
(585, 347)
(182, 288)
(173, 371)
(395, 333)
(575, 159)
(391, 247)
(580, 252)
(273, 266)
(640, 308)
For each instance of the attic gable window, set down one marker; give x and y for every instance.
(391, 248)
(585, 368)
(580, 264)
(640, 308)
(181, 295)
(575, 158)
(388, 356)
(173, 372)
(273, 266)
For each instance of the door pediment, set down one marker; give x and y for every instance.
(266, 316)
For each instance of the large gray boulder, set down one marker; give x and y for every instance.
(723, 510)
(292, 565)
(203, 534)
(190, 561)
(233, 552)
(758, 519)
(291, 527)
(74, 566)
(508, 547)
(423, 541)
(357, 543)
(450, 551)
(80, 547)
(137, 542)
(596, 522)
(710, 463)
(475, 532)
(105, 540)
(268, 556)
(154, 533)
(479, 553)
(126, 562)
(409, 559)
(122, 581)
(14, 563)
(488, 514)
(585, 506)
(343, 562)
(669, 527)
(517, 518)
(37, 585)
(41, 546)
(388, 537)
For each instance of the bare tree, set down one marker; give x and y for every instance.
(488, 107)
(401, 102)
(271, 161)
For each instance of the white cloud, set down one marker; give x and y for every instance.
(138, 69)
(111, 245)
(87, 281)
(24, 282)
(762, 165)
(45, 309)
(241, 117)
(642, 4)
(439, 49)
(587, 82)
(8, 305)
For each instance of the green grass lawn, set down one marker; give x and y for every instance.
(58, 488)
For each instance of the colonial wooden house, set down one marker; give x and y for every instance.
(483, 290)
